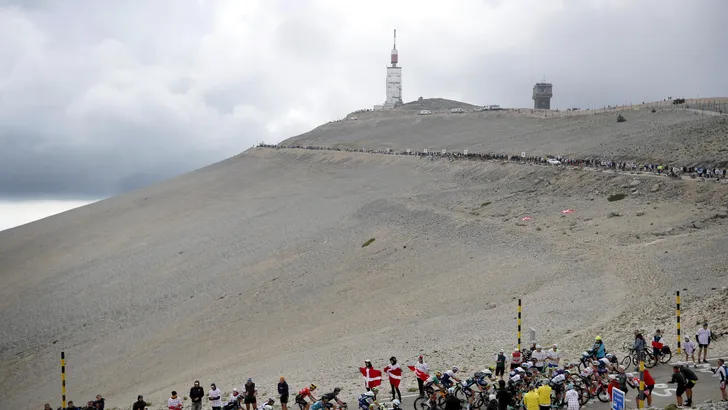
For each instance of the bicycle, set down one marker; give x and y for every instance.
(633, 358)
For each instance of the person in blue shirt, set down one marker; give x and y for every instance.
(598, 349)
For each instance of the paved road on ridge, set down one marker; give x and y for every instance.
(664, 394)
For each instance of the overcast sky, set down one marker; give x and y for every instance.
(100, 97)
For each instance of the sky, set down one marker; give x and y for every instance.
(99, 98)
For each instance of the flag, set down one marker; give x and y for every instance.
(372, 377)
(395, 374)
(419, 373)
(567, 211)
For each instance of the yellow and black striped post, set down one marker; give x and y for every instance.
(640, 397)
(677, 299)
(63, 379)
(519, 324)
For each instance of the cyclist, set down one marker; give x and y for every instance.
(322, 404)
(366, 399)
(268, 405)
(303, 393)
(557, 382)
(448, 376)
(334, 396)
(469, 383)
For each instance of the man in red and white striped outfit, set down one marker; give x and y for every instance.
(394, 371)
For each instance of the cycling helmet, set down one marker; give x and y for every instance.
(609, 355)
(396, 403)
(598, 338)
(630, 375)
(595, 363)
(451, 390)
(487, 372)
(585, 354)
(270, 400)
(438, 374)
(526, 365)
(312, 386)
(325, 397)
(375, 390)
(491, 397)
(455, 369)
(566, 372)
(369, 394)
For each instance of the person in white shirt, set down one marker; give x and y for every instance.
(689, 348)
(540, 355)
(215, 397)
(703, 338)
(572, 397)
(174, 402)
(553, 357)
(424, 368)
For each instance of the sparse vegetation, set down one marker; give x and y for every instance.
(653, 110)
(412, 389)
(485, 204)
(367, 243)
(620, 118)
(616, 197)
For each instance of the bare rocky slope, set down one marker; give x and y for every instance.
(254, 266)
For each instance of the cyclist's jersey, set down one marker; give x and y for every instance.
(515, 379)
(319, 405)
(432, 380)
(305, 392)
(365, 401)
(588, 371)
(446, 378)
(604, 362)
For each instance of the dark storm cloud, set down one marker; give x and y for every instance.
(97, 98)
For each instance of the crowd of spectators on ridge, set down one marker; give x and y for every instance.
(708, 171)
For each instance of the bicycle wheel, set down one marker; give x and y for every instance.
(665, 358)
(583, 396)
(626, 361)
(603, 394)
(421, 404)
(650, 361)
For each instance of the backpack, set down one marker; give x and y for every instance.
(665, 349)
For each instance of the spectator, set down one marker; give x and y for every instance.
(234, 400)
(47, 407)
(283, 393)
(100, 403)
(722, 372)
(649, 386)
(516, 359)
(250, 394)
(394, 373)
(540, 355)
(174, 402)
(657, 344)
(530, 399)
(71, 406)
(503, 395)
(703, 337)
(544, 396)
(196, 395)
(639, 345)
(140, 404)
(553, 357)
(500, 364)
(679, 379)
(215, 397)
(572, 397)
(90, 405)
(424, 368)
(691, 378)
(690, 350)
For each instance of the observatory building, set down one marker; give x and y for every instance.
(394, 81)
(542, 96)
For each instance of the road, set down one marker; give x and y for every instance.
(663, 394)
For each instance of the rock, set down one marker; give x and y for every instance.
(634, 182)
(634, 191)
(708, 401)
(625, 186)
(655, 188)
(697, 224)
(614, 214)
(641, 213)
(671, 407)
(721, 214)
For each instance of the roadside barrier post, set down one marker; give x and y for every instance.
(640, 397)
(519, 324)
(63, 379)
(677, 299)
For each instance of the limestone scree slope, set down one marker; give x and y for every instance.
(254, 266)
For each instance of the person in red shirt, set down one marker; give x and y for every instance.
(649, 386)
(613, 382)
